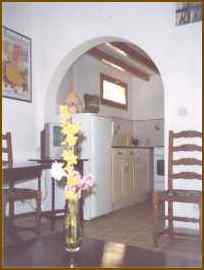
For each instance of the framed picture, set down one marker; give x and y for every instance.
(188, 12)
(17, 81)
(91, 103)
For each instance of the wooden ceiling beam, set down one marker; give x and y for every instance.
(98, 54)
(136, 56)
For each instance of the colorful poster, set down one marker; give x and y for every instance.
(16, 66)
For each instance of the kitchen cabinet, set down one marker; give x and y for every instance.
(131, 176)
(120, 178)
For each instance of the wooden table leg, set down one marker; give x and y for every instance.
(53, 205)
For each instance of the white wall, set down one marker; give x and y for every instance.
(56, 29)
(67, 84)
(183, 92)
(148, 99)
(148, 110)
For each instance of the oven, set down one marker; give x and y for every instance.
(159, 169)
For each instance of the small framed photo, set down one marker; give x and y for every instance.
(91, 103)
(17, 79)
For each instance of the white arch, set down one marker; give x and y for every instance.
(51, 109)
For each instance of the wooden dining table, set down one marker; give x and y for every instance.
(22, 171)
(32, 169)
(19, 172)
(49, 251)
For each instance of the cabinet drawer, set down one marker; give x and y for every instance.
(131, 152)
(119, 152)
(141, 151)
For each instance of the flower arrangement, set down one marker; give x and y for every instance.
(74, 182)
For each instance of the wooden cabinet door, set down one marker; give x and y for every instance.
(146, 168)
(119, 171)
(141, 172)
(130, 176)
(125, 179)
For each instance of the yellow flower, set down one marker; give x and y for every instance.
(71, 133)
(70, 195)
(69, 168)
(70, 128)
(69, 156)
(70, 139)
(72, 181)
(70, 165)
(74, 128)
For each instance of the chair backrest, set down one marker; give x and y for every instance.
(7, 154)
(189, 161)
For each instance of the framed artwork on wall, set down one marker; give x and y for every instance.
(91, 103)
(17, 79)
(188, 12)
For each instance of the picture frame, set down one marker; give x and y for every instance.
(17, 74)
(92, 103)
(188, 12)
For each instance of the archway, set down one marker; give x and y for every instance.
(51, 113)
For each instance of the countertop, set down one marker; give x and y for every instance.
(135, 146)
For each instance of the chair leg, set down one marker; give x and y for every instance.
(38, 212)
(4, 215)
(156, 215)
(11, 211)
(170, 222)
(200, 218)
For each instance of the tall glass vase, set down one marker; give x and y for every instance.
(73, 226)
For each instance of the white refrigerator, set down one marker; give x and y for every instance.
(96, 147)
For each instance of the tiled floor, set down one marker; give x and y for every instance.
(133, 226)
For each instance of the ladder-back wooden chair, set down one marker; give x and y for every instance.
(11, 194)
(173, 195)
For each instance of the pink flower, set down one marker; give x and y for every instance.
(87, 182)
(84, 183)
